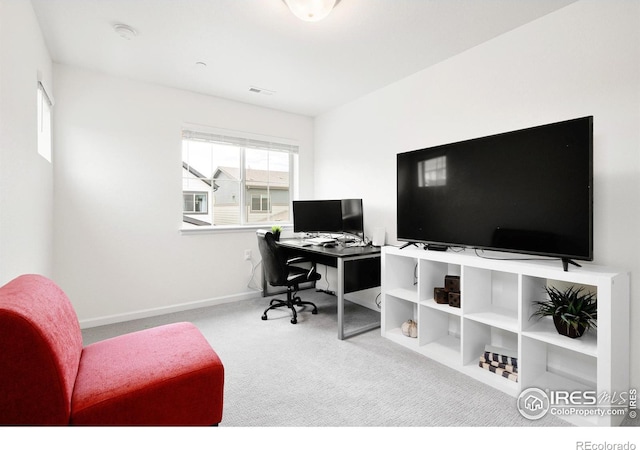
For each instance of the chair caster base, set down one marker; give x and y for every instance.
(291, 304)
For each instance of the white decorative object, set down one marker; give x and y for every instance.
(378, 237)
(410, 328)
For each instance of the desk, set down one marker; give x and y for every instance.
(358, 268)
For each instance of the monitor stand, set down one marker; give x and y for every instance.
(566, 262)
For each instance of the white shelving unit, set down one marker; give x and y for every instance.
(497, 301)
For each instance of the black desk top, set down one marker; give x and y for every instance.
(339, 251)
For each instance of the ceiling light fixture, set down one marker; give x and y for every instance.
(125, 31)
(311, 10)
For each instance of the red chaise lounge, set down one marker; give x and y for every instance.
(168, 375)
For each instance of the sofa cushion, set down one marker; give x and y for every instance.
(168, 375)
(40, 347)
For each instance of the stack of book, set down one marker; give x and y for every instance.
(501, 361)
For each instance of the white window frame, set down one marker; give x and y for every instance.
(45, 105)
(246, 140)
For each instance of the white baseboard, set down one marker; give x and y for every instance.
(145, 313)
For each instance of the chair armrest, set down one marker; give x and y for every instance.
(310, 273)
(297, 259)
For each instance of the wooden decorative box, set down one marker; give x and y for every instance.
(454, 299)
(440, 295)
(452, 283)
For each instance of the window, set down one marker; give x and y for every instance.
(195, 202)
(235, 180)
(44, 123)
(259, 203)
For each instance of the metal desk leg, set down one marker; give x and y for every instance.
(342, 335)
(340, 267)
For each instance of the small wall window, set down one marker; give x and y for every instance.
(44, 123)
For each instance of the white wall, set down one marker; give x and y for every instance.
(581, 60)
(118, 196)
(26, 178)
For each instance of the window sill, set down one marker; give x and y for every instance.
(232, 229)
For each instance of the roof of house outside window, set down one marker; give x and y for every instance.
(256, 178)
(195, 173)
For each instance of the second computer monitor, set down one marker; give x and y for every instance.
(352, 217)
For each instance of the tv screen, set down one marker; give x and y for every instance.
(527, 191)
(352, 217)
(316, 216)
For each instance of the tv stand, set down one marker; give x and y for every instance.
(497, 303)
(408, 244)
(566, 262)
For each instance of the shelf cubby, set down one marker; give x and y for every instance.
(542, 328)
(439, 335)
(491, 297)
(401, 276)
(477, 336)
(432, 275)
(397, 311)
(558, 368)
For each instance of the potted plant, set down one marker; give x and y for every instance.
(574, 310)
(276, 230)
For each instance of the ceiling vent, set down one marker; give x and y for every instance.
(257, 90)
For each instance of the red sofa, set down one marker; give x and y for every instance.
(168, 375)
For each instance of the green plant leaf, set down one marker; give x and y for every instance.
(574, 306)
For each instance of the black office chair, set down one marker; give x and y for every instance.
(279, 271)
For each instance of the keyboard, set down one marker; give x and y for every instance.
(301, 243)
(319, 240)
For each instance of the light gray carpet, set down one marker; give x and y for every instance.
(279, 374)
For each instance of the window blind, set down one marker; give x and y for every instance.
(239, 141)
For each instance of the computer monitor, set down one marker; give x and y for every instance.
(317, 216)
(329, 216)
(352, 217)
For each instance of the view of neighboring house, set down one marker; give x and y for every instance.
(197, 195)
(216, 200)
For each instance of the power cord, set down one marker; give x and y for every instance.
(326, 278)
(255, 286)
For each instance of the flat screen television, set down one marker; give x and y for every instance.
(527, 191)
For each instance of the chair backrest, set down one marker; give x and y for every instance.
(40, 350)
(274, 262)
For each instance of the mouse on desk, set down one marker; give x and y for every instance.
(329, 245)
